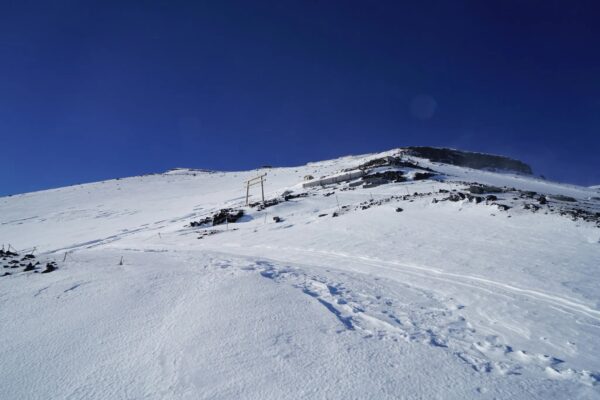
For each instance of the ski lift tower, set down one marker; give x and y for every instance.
(258, 180)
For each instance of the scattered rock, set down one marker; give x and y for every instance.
(203, 221)
(399, 209)
(49, 268)
(421, 176)
(475, 199)
(459, 196)
(223, 216)
(277, 219)
(227, 215)
(378, 162)
(29, 267)
(502, 207)
(531, 207)
(391, 161)
(290, 196)
(484, 189)
(261, 205)
(208, 233)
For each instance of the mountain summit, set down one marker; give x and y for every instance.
(418, 272)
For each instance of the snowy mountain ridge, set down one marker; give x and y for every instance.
(402, 274)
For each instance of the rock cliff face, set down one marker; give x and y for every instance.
(470, 160)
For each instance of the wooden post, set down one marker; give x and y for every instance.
(247, 191)
(262, 189)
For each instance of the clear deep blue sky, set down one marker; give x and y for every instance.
(95, 90)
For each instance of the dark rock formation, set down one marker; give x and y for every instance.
(223, 216)
(421, 176)
(29, 267)
(51, 266)
(390, 161)
(481, 189)
(227, 215)
(292, 196)
(470, 160)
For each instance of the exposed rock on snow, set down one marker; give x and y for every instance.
(224, 215)
(481, 189)
(12, 260)
(470, 159)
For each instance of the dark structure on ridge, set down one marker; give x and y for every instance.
(469, 159)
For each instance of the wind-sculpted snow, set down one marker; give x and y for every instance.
(408, 279)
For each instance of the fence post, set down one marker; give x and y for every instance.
(247, 191)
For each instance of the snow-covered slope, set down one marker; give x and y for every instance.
(387, 276)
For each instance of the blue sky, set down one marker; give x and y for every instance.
(96, 90)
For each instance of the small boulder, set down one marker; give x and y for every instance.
(420, 176)
(49, 268)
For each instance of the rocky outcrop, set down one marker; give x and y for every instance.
(469, 159)
(224, 215)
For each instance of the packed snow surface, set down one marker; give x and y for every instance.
(390, 284)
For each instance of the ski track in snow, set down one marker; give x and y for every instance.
(470, 281)
(384, 318)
